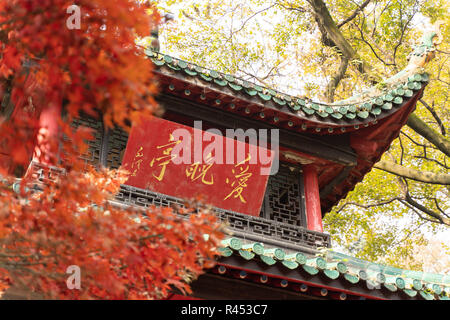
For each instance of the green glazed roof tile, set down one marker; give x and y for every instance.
(398, 100)
(191, 72)
(174, 67)
(279, 101)
(182, 64)
(387, 106)
(336, 115)
(298, 257)
(279, 254)
(265, 97)
(350, 115)
(257, 88)
(198, 69)
(315, 106)
(426, 295)
(158, 62)
(311, 270)
(400, 283)
(343, 110)
(390, 287)
(437, 288)
(267, 260)
(318, 262)
(221, 82)
(290, 264)
(415, 77)
(388, 97)
(256, 247)
(408, 93)
(366, 106)
(235, 87)
(247, 255)
(351, 278)
(376, 111)
(356, 111)
(363, 114)
(308, 110)
(332, 274)
(409, 292)
(363, 275)
(168, 59)
(226, 252)
(214, 74)
(425, 77)
(229, 78)
(251, 92)
(205, 77)
(233, 243)
(246, 84)
(393, 279)
(296, 107)
(352, 108)
(417, 284)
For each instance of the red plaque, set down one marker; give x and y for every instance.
(186, 162)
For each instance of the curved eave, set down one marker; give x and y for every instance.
(369, 143)
(335, 272)
(210, 87)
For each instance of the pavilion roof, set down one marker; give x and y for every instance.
(359, 111)
(370, 120)
(332, 270)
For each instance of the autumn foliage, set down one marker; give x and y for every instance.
(48, 71)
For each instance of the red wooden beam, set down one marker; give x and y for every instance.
(300, 282)
(312, 197)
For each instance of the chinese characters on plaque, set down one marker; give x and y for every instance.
(154, 155)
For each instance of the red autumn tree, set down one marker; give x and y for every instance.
(49, 69)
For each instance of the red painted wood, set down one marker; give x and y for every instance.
(49, 128)
(312, 196)
(296, 281)
(237, 186)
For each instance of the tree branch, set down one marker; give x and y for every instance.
(422, 176)
(426, 210)
(354, 14)
(435, 116)
(428, 133)
(333, 83)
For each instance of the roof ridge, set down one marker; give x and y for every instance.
(370, 103)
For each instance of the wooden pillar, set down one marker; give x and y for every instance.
(312, 198)
(49, 128)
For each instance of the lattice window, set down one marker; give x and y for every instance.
(117, 142)
(95, 146)
(283, 200)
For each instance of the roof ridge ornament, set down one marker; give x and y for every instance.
(425, 51)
